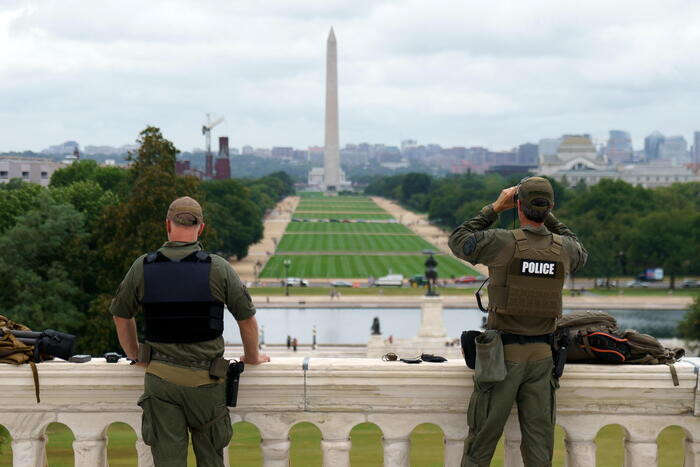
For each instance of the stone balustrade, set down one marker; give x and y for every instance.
(337, 394)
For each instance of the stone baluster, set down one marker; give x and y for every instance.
(90, 451)
(396, 451)
(90, 444)
(692, 453)
(143, 452)
(640, 452)
(28, 440)
(580, 452)
(336, 452)
(453, 452)
(275, 452)
(513, 457)
(29, 452)
(227, 460)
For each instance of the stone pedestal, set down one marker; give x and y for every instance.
(431, 337)
(431, 322)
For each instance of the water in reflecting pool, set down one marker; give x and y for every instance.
(352, 325)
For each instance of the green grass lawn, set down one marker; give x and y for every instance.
(331, 215)
(320, 195)
(426, 447)
(342, 227)
(327, 206)
(352, 242)
(358, 266)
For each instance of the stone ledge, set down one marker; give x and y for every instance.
(355, 384)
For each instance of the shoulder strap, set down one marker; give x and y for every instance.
(155, 257)
(557, 242)
(197, 257)
(520, 240)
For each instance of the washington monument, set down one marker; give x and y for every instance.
(331, 152)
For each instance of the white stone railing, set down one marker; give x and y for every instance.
(337, 394)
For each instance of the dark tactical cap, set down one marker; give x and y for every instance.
(539, 188)
(185, 211)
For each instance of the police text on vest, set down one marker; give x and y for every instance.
(533, 267)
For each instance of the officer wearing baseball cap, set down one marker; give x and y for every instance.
(182, 290)
(527, 268)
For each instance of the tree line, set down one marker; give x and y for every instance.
(625, 228)
(67, 247)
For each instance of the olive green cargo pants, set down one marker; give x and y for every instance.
(533, 387)
(169, 410)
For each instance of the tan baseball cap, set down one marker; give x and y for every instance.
(539, 188)
(185, 211)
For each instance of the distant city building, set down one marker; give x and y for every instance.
(674, 147)
(247, 150)
(29, 169)
(696, 148)
(528, 154)
(284, 152)
(408, 144)
(578, 161)
(548, 146)
(646, 175)
(61, 149)
(109, 150)
(575, 153)
(431, 149)
(501, 158)
(652, 144)
(401, 164)
(262, 152)
(619, 147)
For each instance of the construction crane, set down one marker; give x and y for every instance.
(206, 131)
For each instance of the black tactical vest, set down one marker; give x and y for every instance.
(177, 300)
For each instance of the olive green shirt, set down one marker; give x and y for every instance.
(473, 241)
(225, 287)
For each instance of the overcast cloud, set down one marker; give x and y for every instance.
(466, 73)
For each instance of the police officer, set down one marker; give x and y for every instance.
(182, 292)
(527, 268)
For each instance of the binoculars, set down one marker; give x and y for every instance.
(49, 342)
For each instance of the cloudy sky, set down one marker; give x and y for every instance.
(494, 73)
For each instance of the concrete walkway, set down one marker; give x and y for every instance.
(466, 301)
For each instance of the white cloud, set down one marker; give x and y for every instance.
(464, 73)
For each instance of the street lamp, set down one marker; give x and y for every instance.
(287, 263)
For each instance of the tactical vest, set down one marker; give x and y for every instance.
(177, 300)
(531, 283)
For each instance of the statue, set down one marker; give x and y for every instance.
(375, 327)
(431, 274)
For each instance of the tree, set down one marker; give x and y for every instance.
(235, 218)
(42, 254)
(17, 198)
(666, 239)
(689, 326)
(112, 179)
(137, 224)
(414, 184)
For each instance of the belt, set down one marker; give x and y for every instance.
(507, 338)
(201, 364)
